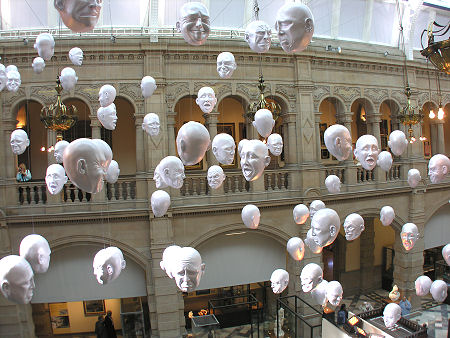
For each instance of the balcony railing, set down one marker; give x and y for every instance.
(363, 175)
(276, 180)
(394, 173)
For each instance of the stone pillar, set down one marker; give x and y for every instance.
(95, 126)
(140, 158)
(171, 133)
(345, 118)
(373, 125)
(367, 246)
(10, 160)
(211, 120)
(318, 157)
(408, 265)
(290, 139)
(440, 137)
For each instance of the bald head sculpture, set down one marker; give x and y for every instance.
(193, 141)
(188, 269)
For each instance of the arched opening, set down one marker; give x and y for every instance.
(429, 130)
(359, 108)
(328, 110)
(82, 127)
(124, 137)
(279, 128)
(386, 111)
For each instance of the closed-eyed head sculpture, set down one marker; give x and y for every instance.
(423, 285)
(169, 255)
(108, 116)
(59, 150)
(76, 56)
(79, 15)
(151, 124)
(35, 249)
(264, 122)
(387, 215)
(250, 216)
(384, 160)
(148, 86)
(68, 78)
(106, 95)
(366, 151)
(275, 144)
(258, 36)
(226, 65)
(16, 279)
(333, 184)
(409, 235)
(193, 141)
(279, 280)
(194, 23)
(301, 213)
(206, 99)
(438, 168)
(295, 26)
(414, 177)
(296, 248)
(397, 142)
(55, 178)
(188, 269)
(108, 264)
(311, 276)
(391, 314)
(325, 225)
(446, 253)
(84, 162)
(223, 148)
(19, 141)
(315, 206)
(254, 158)
(169, 172)
(353, 226)
(38, 65)
(439, 290)
(13, 81)
(338, 141)
(334, 293)
(45, 46)
(160, 202)
(113, 172)
(215, 176)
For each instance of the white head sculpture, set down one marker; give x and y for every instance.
(151, 124)
(353, 226)
(107, 152)
(258, 36)
(226, 65)
(296, 248)
(16, 279)
(3, 77)
(241, 144)
(160, 202)
(279, 280)
(391, 314)
(366, 151)
(387, 215)
(45, 46)
(384, 160)
(55, 178)
(264, 122)
(325, 225)
(19, 141)
(59, 150)
(215, 176)
(194, 23)
(76, 56)
(169, 255)
(311, 276)
(206, 99)
(311, 244)
(108, 116)
(319, 294)
(295, 26)
(188, 269)
(438, 168)
(338, 141)
(250, 216)
(333, 184)
(108, 264)
(79, 15)
(85, 164)
(106, 95)
(446, 253)
(334, 292)
(275, 144)
(148, 86)
(254, 158)
(223, 148)
(13, 81)
(68, 78)
(397, 142)
(438, 290)
(169, 172)
(414, 177)
(35, 249)
(193, 141)
(409, 235)
(38, 65)
(113, 172)
(315, 206)
(11, 68)
(301, 213)
(423, 285)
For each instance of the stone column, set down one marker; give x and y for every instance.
(171, 132)
(290, 139)
(440, 137)
(140, 158)
(10, 160)
(211, 120)
(95, 126)
(367, 246)
(345, 118)
(373, 125)
(318, 151)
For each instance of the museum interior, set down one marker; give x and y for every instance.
(378, 69)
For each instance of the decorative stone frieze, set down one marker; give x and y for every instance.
(320, 92)
(348, 94)
(376, 94)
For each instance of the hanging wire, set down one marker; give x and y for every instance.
(37, 17)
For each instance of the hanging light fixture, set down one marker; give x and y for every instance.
(262, 103)
(58, 116)
(437, 52)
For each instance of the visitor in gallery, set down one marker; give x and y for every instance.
(405, 304)
(100, 329)
(342, 315)
(23, 174)
(109, 326)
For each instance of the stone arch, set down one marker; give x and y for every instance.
(442, 200)
(82, 98)
(130, 101)
(397, 223)
(16, 104)
(238, 96)
(339, 105)
(282, 100)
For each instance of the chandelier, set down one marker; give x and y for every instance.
(410, 115)
(437, 52)
(262, 103)
(57, 116)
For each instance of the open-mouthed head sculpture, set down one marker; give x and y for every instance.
(151, 124)
(206, 99)
(13, 80)
(193, 141)
(194, 23)
(35, 249)
(366, 151)
(254, 158)
(55, 178)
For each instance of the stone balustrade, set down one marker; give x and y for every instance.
(364, 176)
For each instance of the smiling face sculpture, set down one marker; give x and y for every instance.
(226, 65)
(194, 23)
(409, 235)
(258, 36)
(79, 15)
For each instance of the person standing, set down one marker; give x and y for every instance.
(100, 329)
(342, 315)
(109, 325)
